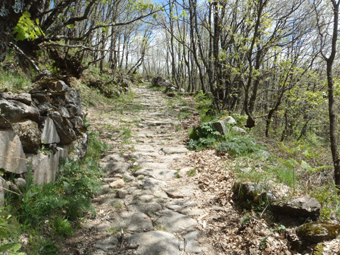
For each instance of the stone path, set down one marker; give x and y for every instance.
(145, 208)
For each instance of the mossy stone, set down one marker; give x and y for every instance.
(318, 232)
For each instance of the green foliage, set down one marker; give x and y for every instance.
(62, 226)
(239, 146)
(96, 147)
(8, 228)
(27, 29)
(61, 202)
(203, 137)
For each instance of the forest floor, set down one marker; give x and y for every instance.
(160, 198)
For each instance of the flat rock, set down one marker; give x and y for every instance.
(116, 166)
(23, 97)
(304, 206)
(46, 166)
(155, 165)
(175, 222)
(113, 157)
(191, 245)
(12, 156)
(108, 244)
(152, 183)
(49, 134)
(144, 148)
(173, 150)
(179, 193)
(154, 243)
(157, 174)
(14, 111)
(193, 211)
(184, 203)
(148, 208)
(131, 221)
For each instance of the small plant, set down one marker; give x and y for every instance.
(118, 206)
(191, 172)
(62, 226)
(245, 220)
(44, 150)
(263, 243)
(204, 136)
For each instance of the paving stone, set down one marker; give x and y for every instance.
(158, 193)
(145, 198)
(152, 183)
(144, 148)
(155, 165)
(173, 150)
(107, 244)
(116, 166)
(175, 222)
(174, 207)
(191, 245)
(131, 221)
(179, 193)
(154, 243)
(183, 203)
(192, 211)
(148, 208)
(117, 184)
(157, 174)
(121, 193)
(128, 177)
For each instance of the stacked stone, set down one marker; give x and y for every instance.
(49, 116)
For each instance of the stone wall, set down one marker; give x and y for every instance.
(40, 126)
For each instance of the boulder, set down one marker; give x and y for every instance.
(303, 206)
(239, 130)
(49, 134)
(14, 111)
(45, 166)
(318, 232)
(157, 81)
(64, 128)
(12, 156)
(220, 127)
(230, 120)
(29, 134)
(23, 97)
(253, 192)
